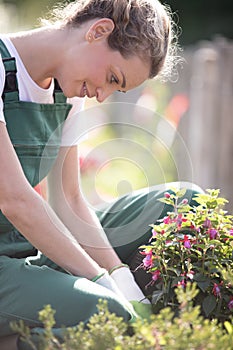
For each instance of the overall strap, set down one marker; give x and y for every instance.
(10, 91)
(58, 95)
(3, 50)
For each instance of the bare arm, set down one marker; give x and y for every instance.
(66, 199)
(35, 219)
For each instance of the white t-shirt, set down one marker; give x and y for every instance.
(29, 91)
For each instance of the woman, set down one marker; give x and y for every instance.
(92, 48)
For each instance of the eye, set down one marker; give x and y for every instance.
(114, 80)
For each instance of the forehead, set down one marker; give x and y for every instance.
(135, 71)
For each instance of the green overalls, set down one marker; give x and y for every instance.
(27, 285)
(25, 288)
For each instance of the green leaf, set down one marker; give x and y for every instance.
(214, 241)
(212, 204)
(209, 304)
(184, 208)
(229, 327)
(166, 201)
(173, 270)
(156, 296)
(203, 285)
(203, 282)
(142, 310)
(213, 192)
(181, 192)
(175, 281)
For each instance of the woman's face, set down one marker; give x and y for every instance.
(95, 70)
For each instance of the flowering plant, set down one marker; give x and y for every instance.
(192, 244)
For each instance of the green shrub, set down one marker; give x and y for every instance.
(105, 331)
(190, 262)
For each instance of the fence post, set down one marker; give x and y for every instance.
(207, 129)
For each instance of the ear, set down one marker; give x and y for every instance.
(100, 29)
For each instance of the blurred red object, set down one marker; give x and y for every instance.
(41, 188)
(176, 108)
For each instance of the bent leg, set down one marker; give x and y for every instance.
(26, 289)
(127, 223)
(9, 342)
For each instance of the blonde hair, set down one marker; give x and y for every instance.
(142, 27)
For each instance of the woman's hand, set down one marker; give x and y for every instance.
(126, 283)
(127, 290)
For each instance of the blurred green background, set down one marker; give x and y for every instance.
(115, 160)
(199, 19)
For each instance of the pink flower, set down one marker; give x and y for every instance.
(167, 195)
(230, 304)
(181, 284)
(155, 275)
(216, 290)
(167, 220)
(154, 233)
(212, 233)
(148, 260)
(184, 201)
(207, 223)
(190, 275)
(193, 227)
(179, 220)
(231, 232)
(187, 242)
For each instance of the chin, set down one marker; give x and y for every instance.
(66, 91)
(68, 94)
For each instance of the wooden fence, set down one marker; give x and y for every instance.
(207, 127)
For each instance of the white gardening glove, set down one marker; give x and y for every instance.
(126, 283)
(105, 280)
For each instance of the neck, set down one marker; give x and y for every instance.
(41, 52)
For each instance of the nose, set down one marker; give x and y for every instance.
(102, 94)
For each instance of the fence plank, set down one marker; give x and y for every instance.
(207, 129)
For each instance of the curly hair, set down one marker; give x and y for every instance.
(142, 27)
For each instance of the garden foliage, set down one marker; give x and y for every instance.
(189, 259)
(165, 331)
(192, 244)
